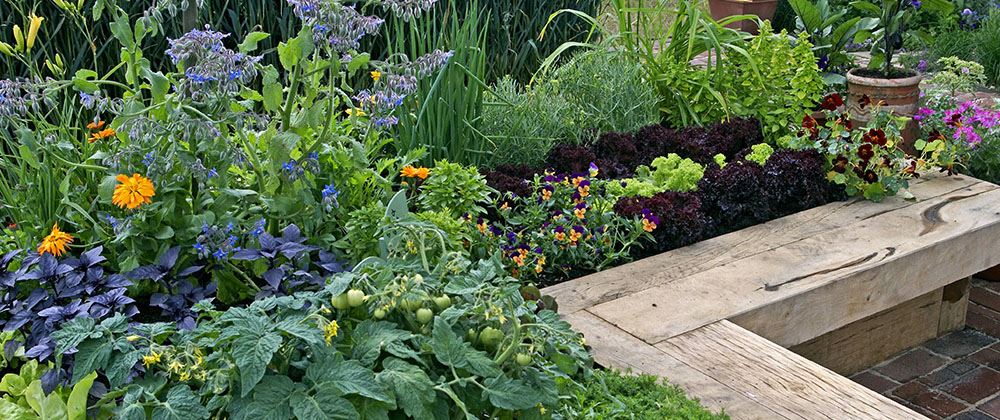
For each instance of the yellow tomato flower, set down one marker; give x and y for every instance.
(33, 26)
(175, 366)
(133, 191)
(330, 330)
(55, 243)
(151, 359)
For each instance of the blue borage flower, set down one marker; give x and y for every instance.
(334, 24)
(330, 195)
(209, 67)
(395, 83)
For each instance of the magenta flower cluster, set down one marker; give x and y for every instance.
(968, 122)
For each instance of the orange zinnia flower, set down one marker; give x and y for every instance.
(103, 134)
(411, 172)
(133, 191)
(55, 243)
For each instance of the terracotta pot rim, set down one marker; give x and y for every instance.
(875, 81)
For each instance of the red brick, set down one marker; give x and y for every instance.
(987, 357)
(985, 297)
(975, 319)
(991, 407)
(973, 415)
(948, 373)
(929, 400)
(974, 386)
(916, 408)
(960, 343)
(912, 364)
(875, 382)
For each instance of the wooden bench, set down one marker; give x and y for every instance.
(847, 285)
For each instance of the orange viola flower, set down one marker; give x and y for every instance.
(56, 242)
(133, 191)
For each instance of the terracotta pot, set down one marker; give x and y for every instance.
(722, 9)
(900, 96)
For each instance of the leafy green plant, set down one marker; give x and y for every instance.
(455, 189)
(759, 154)
(668, 173)
(957, 75)
(829, 29)
(688, 95)
(389, 339)
(776, 105)
(988, 46)
(521, 124)
(984, 161)
(614, 394)
(892, 20)
(23, 397)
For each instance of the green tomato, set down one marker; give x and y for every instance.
(413, 304)
(442, 302)
(379, 314)
(340, 302)
(424, 315)
(523, 359)
(355, 297)
(490, 337)
(471, 336)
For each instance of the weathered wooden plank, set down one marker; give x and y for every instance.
(811, 286)
(954, 305)
(865, 343)
(784, 381)
(727, 249)
(612, 347)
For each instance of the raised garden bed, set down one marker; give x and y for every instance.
(805, 281)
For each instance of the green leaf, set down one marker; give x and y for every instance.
(253, 351)
(348, 376)
(29, 156)
(808, 13)
(370, 337)
(325, 404)
(81, 81)
(397, 208)
(76, 405)
(452, 351)
(165, 232)
(158, 84)
(509, 394)
(271, 90)
(249, 43)
(238, 193)
(357, 62)
(413, 388)
(867, 7)
(181, 404)
(50, 407)
(120, 366)
(11, 411)
(271, 398)
(92, 355)
(122, 31)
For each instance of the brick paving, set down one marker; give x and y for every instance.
(954, 377)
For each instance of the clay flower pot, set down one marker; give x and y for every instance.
(898, 95)
(722, 9)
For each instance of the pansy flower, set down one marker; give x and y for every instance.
(832, 101)
(580, 211)
(866, 152)
(560, 233)
(864, 101)
(809, 123)
(840, 164)
(594, 170)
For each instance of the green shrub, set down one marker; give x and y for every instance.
(454, 189)
(984, 162)
(606, 90)
(988, 46)
(612, 395)
(520, 125)
(954, 43)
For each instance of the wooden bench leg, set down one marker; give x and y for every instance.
(954, 304)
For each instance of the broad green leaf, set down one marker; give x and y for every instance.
(72, 333)
(119, 367)
(370, 337)
(348, 376)
(510, 394)
(11, 411)
(92, 355)
(253, 351)
(325, 404)
(249, 43)
(271, 90)
(29, 156)
(808, 13)
(397, 208)
(413, 388)
(76, 404)
(50, 407)
(357, 62)
(452, 351)
(271, 399)
(181, 404)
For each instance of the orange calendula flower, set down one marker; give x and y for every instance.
(411, 172)
(96, 125)
(100, 135)
(56, 242)
(133, 191)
